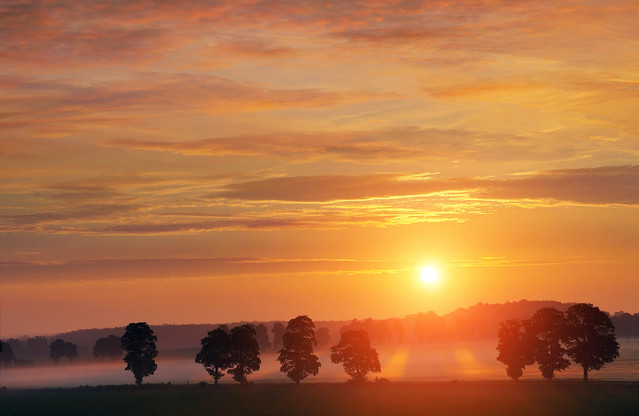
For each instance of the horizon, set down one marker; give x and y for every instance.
(316, 321)
(183, 161)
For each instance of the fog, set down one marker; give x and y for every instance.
(429, 362)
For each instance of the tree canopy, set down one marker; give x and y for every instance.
(514, 346)
(139, 343)
(245, 352)
(261, 335)
(60, 348)
(296, 356)
(7, 356)
(354, 351)
(215, 354)
(591, 341)
(107, 347)
(548, 330)
(584, 333)
(278, 333)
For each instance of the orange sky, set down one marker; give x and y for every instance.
(181, 162)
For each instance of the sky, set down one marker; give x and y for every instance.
(203, 162)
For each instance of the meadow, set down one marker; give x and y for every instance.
(390, 398)
(436, 362)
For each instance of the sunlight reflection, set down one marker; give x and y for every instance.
(395, 366)
(467, 361)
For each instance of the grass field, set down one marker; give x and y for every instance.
(451, 398)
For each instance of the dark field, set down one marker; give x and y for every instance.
(451, 398)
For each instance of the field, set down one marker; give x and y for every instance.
(427, 398)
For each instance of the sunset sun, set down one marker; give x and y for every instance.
(268, 191)
(428, 274)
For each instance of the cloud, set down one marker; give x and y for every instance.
(98, 32)
(149, 268)
(604, 185)
(151, 95)
(599, 186)
(376, 146)
(36, 220)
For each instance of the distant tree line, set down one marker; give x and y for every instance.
(551, 338)
(481, 321)
(61, 348)
(626, 325)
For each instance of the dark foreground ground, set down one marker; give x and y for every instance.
(450, 398)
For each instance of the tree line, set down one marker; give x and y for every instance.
(237, 351)
(481, 321)
(551, 338)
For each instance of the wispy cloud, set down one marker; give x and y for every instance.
(605, 185)
(113, 206)
(359, 146)
(149, 268)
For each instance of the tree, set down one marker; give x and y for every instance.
(296, 356)
(70, 351)
(7, 356)
(591, 341)
(514, 348)
(139, 343)
(60, 348)
(323, 337)
(548, 329)
(355, 353)
(624, 324)
(278, 332)
(261, 335)
(245, 352)
(215, 354)
(110, 347)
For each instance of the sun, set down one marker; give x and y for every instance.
(428, 274)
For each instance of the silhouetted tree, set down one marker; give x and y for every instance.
(278, 332)
(367, 325)
(7, 357)
(224, 328)
(70, 351)
(110, 347)
(139, 343)
(261, 334)
(60, 348)
(624, 324)
(215, 354)
(591, 341)
(296, 356)
(548, 329)
(245, 352)
(355, 353)
(323, 337)
(515, 349)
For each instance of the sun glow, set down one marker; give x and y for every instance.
(428, 275)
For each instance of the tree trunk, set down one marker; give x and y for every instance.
(585, 373)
